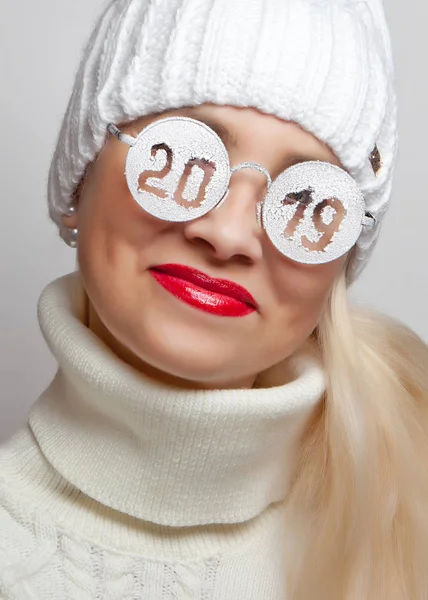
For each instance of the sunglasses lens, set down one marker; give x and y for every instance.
(178, 169)
(313, 212)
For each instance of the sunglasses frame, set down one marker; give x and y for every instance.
(368, 221)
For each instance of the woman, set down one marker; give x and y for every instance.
(222, 424)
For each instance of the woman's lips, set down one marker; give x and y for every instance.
(216, 296)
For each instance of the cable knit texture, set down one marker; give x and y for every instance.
(325, 64)
(120, 487)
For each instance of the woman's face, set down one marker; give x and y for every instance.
(163, 335)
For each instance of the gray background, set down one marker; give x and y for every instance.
(40, 45)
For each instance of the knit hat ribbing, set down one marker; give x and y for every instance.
(325, 64)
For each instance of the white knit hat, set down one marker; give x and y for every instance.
(325, 64)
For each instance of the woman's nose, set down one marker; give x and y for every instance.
(232, 229)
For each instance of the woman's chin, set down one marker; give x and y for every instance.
(191, 365)
(196, 371)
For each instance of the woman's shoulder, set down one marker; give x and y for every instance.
(27, 539)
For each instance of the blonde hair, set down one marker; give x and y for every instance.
(357, 515)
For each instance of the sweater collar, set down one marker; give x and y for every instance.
(164, 454)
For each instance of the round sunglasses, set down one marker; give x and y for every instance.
(178, 169)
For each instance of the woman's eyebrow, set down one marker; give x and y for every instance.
(227, 137)
(230, 140)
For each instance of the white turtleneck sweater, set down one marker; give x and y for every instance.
(121, 487)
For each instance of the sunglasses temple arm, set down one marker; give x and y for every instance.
(369, 220)
(122, 137)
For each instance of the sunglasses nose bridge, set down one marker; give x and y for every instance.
(252, 165)
(257, 167)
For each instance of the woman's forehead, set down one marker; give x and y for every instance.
(236, 126)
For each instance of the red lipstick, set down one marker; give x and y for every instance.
(216, 296)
